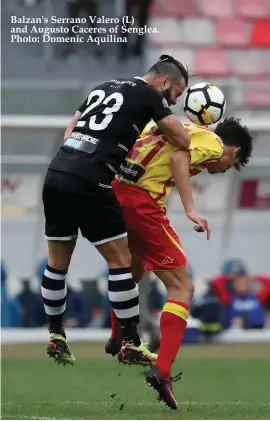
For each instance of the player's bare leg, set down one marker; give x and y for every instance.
(54, 297)
(172, 325)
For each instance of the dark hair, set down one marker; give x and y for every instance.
(167, 65)
(232, 133)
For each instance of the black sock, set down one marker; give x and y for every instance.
(124, 299)
(54, 292)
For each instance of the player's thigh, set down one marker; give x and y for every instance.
(60, 208)
(151, 237)
(162, 249)
(61, 224)
(102, 223)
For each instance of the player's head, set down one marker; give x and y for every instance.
(170, 77)
(237, 146)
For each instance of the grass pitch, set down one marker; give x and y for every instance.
(219, 382)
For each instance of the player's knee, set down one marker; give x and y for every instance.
(184, 284)
(116, 253)
(60, 253)
(178, 284)
(121, 261)
(59, 262)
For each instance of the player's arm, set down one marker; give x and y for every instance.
(174, 132)
(166, 121)
(180, 163)
(75, 120)
(72, 124)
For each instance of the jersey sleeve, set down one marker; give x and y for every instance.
(205, 150)
(82, 106)
(158, 105)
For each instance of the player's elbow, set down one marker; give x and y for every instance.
(182, 142)
(175, 132)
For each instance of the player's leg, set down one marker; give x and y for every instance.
(162, 253)
(114, 343)
(102, 223)
(61, 233)
(124, 300)
(173, 323)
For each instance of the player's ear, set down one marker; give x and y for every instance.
(166, 82)
(236, 151)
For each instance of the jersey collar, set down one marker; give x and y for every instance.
(138, 77)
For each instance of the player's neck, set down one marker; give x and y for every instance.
(148, 79)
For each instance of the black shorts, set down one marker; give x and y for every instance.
(71, 204)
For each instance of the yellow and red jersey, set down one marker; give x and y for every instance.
(148, 163)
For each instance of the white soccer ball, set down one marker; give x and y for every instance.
(204, 104)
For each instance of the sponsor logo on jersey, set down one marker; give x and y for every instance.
(128, 170)
(122, 82)
(165, 102)
(84, 137)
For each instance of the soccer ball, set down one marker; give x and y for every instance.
(204, 104)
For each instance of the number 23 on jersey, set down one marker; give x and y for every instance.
(96, 98)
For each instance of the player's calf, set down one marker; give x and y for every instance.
(123, 291)
(54, 294)
(174, 317)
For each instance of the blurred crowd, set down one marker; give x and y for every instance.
(235, 299)
(232, 299)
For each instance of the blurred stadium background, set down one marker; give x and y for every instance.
(42, 86)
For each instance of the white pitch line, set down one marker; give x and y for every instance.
(203, 403)
(30, 417)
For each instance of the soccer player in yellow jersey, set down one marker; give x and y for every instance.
(152, 169)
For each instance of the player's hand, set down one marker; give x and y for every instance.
(201, 222)
(155, 131)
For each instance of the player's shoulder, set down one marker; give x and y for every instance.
(117, 83)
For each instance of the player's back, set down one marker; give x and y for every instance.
(114, 107)
(112, 116)
(148, 163)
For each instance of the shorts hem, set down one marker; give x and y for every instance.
(107, 240)
(70, 237)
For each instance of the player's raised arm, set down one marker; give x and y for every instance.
(72, 124)
(75, 120)
(180, 162)
(174, 132)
